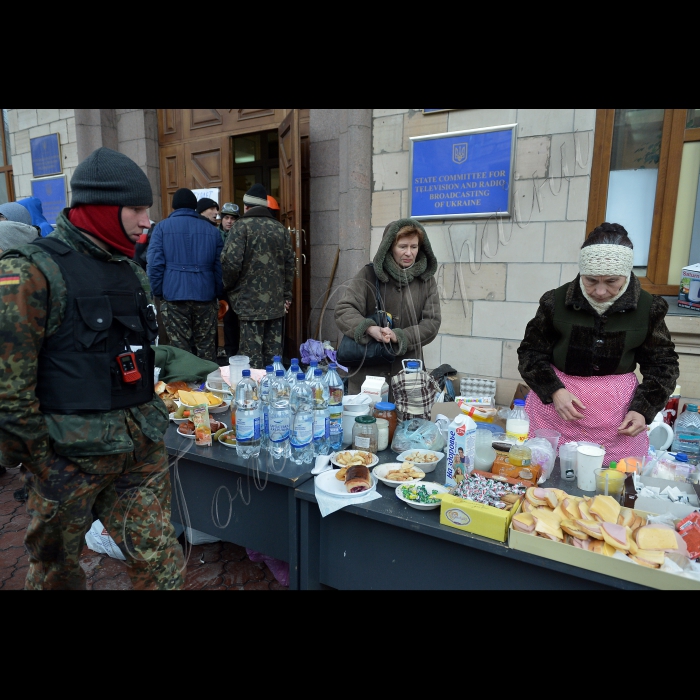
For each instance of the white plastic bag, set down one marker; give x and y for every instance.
(98, 540)
(198, 537)
(543, 455)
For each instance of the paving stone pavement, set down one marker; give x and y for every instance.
(221, 566)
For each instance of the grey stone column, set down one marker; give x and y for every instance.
(95, 128)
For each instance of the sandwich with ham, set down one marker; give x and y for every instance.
(524, 522)
(357, 478)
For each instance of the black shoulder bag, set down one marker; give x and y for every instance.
(374, 353)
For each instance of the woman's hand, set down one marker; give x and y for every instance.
(389, 335)
(376, 333)
(632, 424)
(565, 404)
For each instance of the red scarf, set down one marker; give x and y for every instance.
(103, 221)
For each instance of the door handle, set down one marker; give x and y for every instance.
(304, 256)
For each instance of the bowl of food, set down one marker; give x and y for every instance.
(189, 399)
(348, 458)
(187, 429)
(396, 473)
(420, 496)
(228, 438)
(425, 459)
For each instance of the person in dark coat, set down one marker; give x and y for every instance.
(209, 209)
(184, 267)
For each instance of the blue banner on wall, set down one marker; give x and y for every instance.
(46, 155)
(462, 174)
(52, 193)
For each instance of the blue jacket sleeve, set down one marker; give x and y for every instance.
(156, 262)
(218, 273)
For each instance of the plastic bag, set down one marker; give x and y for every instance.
(198, 537)
(417, 434)
(98, 540)
(542, 455)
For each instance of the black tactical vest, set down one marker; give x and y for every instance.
(107, 313)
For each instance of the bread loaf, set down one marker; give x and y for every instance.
(357, 479)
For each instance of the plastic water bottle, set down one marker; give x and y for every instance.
(322, 430)
(335, 405)
(310, 372)
(518, 422)
(277, 363)
(292, 372)
(302, 428)
(279, 416)
(686, 433)
(265, 383)
(247, 417)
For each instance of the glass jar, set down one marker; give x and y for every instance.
(365, 435)
(387, 411)
(382, 434)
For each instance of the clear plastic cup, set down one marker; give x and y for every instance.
(567, 461)
(610, 482)
(551, 435)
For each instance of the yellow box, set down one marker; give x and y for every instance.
(477, 518)
(627, 571)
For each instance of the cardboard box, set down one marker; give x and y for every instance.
(478, 518)
(678, 510)
(625, 570)
(689, 292)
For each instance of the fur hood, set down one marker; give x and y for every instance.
(426, 264)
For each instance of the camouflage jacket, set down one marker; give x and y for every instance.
(32, 306)
(258, 266)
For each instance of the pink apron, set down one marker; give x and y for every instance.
(607, 401)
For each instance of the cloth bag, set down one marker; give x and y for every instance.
(414, 394)
(350, 352)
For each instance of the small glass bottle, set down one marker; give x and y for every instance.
(365, 435)
(387, 411)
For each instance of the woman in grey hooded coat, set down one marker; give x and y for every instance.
(405, 267)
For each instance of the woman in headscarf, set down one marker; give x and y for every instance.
(405, 268)
(581, 349)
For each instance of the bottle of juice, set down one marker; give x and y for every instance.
(518, 422)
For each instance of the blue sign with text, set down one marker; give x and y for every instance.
(46, 155)
(463, 174)
(52, 193)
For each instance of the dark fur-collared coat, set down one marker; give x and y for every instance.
(568, 332)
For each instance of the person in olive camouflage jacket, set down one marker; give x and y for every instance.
(90, 436)
(258, 269)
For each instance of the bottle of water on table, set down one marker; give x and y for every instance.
(302, 428)
(292, 372)
(265, 383)
(279, 416)
(335, 405)
(310, 372)
(686, 433)
(247, 417)
(322, 431)
(277, 363)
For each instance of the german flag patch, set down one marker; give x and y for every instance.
(9, 279)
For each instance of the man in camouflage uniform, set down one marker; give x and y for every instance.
(258, 269)
(89, 433)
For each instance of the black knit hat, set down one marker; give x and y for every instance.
(184, 199)
(205, 203)
(109, 177)
(256, 196)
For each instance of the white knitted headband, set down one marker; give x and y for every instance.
(605, 259)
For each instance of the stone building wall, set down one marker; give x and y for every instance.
(487, 304)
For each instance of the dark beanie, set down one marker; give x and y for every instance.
(256, 196)
(205, 203)
(184, 199)
(109, 177)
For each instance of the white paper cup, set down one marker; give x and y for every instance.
(588, 459)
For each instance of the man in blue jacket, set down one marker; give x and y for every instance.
(184, 267)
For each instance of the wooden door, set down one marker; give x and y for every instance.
(291, 218)
(207, 164)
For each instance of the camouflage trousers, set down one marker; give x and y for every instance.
(192, 326)
(133, 505)
(261, 341)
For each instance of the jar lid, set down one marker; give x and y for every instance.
(365, 419)
(385, 406)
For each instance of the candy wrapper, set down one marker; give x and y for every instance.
(202, 429)
(488, 491)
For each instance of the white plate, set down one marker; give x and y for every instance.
(191, 437)
(327, 483)
(219, 408)
(225, 444)
(375, 459)
(429, 487)
(381, 470)
(425, 466)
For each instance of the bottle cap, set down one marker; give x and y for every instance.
(365, 419)
(300, 376)
(245, 373)
(519, 402)
(269, 368)
(295, 361)
(385, 406)
(692, 407)
(279, 373)
(413, 365)
(313, 363)
(681, 457)
(332, 365)
(318, 372)
(277, 358)
(612, 465)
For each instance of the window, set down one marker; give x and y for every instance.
(646, 176)
(6, 189)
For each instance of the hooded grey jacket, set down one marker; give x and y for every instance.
(13, 234)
